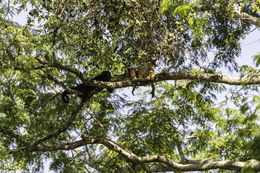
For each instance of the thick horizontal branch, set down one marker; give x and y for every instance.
(200, 76)
(189, 165)
(120, 81)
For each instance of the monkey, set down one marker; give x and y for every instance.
(140, 73)
(86, 89)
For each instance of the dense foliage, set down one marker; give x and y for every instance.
(198, 120)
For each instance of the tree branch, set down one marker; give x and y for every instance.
(68, 123)
(62, 129)
(64, 67)
(83, 78)
(244, 16)
(189, 165)
(199, 76)
(182, 156)
(50, 77)
(89, 161)
(13, 135)
(121, 81)
(237, 13)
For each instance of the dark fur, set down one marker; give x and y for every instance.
(86, 89)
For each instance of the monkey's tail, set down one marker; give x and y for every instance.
(64, 97)
(133, 90)
(153, 89)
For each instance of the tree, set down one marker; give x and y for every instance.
(200, 118)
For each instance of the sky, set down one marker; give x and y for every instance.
(250, 46)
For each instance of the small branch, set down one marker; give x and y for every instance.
(50, 77)
(62, 129)
(183, 158)
(82, 77)
(177, 88)
(64, 67)
(13, 135)
(89, 161)
(244, 16)
(99, 123)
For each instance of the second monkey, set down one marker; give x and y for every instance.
(140, 73)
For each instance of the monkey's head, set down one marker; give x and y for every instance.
(128, 71)
(106, 76)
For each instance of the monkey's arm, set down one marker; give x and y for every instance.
(64, 97)
(110, 90)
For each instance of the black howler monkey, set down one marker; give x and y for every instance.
(86, 89)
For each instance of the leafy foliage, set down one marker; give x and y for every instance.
(196, 118)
